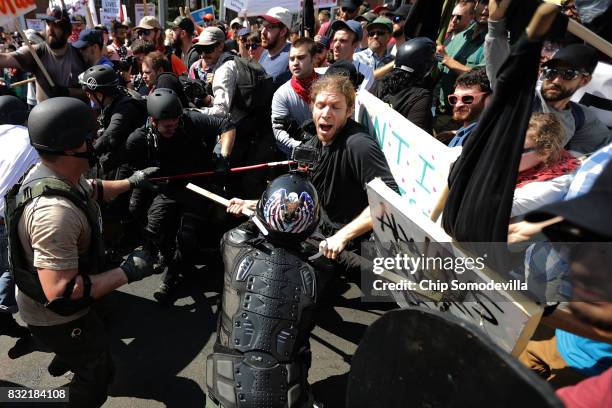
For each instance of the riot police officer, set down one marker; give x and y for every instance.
(179, 142)
(270, 291)
(53, 223)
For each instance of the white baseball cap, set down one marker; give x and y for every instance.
(279, 15)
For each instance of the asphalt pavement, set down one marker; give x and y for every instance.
(160, 352)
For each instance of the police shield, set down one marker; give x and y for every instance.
(422, 358)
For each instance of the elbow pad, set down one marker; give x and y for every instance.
(64, 306)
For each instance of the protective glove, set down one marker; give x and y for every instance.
(138, 265)
(140, 179)
(221, 165)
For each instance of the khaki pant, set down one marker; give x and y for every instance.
(543, 357)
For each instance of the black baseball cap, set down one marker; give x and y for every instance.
(184, 23)
(350, 4)
(578, 56)
(590, 211)
(346, 68)
(88, 37)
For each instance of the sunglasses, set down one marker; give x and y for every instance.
(377, 33)
(252, 46)
(143, 33)
(566, 74)
(467, 99)
(206, 49)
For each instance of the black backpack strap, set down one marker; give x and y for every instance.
(578, 114)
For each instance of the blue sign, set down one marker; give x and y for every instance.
(198, 15)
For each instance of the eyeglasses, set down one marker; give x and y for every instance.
(466, 99)
(377, 33)
(566, 74)
(252, 46)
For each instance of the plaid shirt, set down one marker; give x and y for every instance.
(546, 264)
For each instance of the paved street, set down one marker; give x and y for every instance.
(160, 353)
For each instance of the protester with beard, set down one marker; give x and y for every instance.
(61, 60)
(379, 34)
(291, 102)
(470, 98)
(149, 29)
(570, 69)
(404, 87)
(464, 52)
(398, 17)
(184, 48)
(117, 49)
(274, 34)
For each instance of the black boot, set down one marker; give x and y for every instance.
(9, 327)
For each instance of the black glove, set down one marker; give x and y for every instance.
(138, 265)
(221, 165)
(290, 126)
(140, 179)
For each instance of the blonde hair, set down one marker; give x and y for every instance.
(547, 135)
(334, 83)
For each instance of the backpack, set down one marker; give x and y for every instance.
(254, 89)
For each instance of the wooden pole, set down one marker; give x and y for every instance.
(24, 82)
(88, 17)
(145, 11)
(590, 37)
(34, 55)
(435, 214)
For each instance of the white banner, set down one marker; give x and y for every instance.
(509, 318)
(36, 24)
(139, 11)
(9, 10)
(260, 7)
(418, 161)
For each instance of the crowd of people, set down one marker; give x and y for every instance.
(98, 150)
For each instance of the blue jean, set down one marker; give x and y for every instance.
(7, 286)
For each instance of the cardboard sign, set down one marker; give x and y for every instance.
(508, 317)
(260, 7)
(198, 15)
(418, 161)
(11, 9)
(139, 11)
(35, 24)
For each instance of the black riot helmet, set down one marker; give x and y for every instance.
(13, 111)
(289, 208)
(164, 103)
(417, 56)
(100, 78)
(59, 124)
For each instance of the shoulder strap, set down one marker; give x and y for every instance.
(578, 115)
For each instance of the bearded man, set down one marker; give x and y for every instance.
(274, 34)
(62, 61)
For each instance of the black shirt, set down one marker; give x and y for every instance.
(345, 167)
(413, 103)
(189, 150)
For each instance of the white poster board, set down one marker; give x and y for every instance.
(36, 24)
(508, 317)
(259, 7)
(139, 11)
(9, 10)
(597, 94)
(418, 161)
(111, 8)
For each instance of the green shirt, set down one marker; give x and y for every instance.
(466, 50)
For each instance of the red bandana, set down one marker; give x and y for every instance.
(566, 164)
(302, 86)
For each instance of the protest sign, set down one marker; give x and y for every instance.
(35, 24)
(506, 315)
(111, 8)
(418, 161)
(11, 9)
(260, 7)
(597, 94)
(198, 15)
(139, 11)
